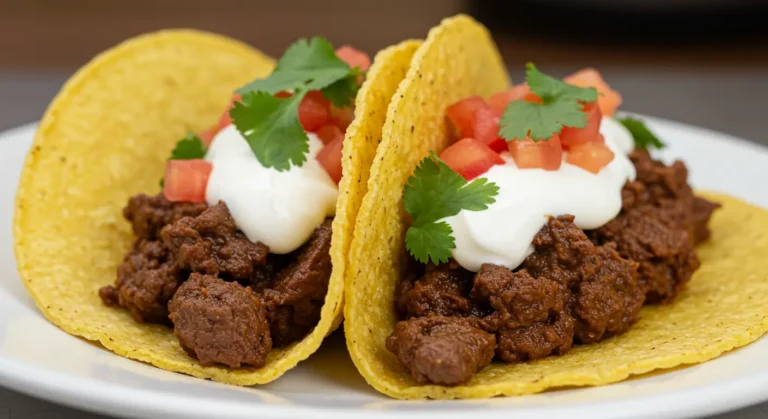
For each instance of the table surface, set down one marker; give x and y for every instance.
(727, 100)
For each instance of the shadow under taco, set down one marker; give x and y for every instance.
(232, 268)
(521, 238)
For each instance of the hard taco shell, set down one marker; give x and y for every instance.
(106, 137)
(723, 307)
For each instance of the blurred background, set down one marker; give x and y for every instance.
(703, 62)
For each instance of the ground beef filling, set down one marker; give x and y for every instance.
(660, 223)
(220, 322)
(575, 288)
(228, 299)
(440, 349)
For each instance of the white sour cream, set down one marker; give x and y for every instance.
(502, 234)
(279, 209)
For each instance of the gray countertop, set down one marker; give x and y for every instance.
(727, 100)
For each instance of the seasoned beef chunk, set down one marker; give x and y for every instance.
(211, 244)
(553, 337)
(298, 292)
(442, 350)
(563, 252)
(220, 322)
(149, 214)
(660, 222)
(146, 281)
(605, 294)
(652, 237)
(518, 299)
(702, 212)
(263, 275)
(661, 182)
(530, 314)
(441, 291)
(109, 295)
(608, 302)
(667, 187)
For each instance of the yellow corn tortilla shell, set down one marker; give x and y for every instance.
(360, 142)
(723, 308)
(106, 137)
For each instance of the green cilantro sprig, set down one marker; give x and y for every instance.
(271, 127)
(436, 191)
(561, 106)
(188, 148)
(643, 137)
(270, 124)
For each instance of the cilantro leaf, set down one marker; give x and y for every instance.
(561, 105)
(643, 137)
(342, 92)
(307, 64)
(436, 191)
(188, 148)
(539, 121)
(433, 241)
(549, 88)
(271, 127)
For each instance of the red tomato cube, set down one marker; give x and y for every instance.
(330, 158)
(591, 156)
(529, 154)
(313, 111)
(186, 180)
(462, 112)
(225, 119)
(207, 136)
(485, 126)
(470, 158)
(499, 101)
(354, 57)
(609, 100)
(329, 133)
(570, 137)
(341, 117)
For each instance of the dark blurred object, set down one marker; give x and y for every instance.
(716, 32)
(66, 33)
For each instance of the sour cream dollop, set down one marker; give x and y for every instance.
(279, 209)
(502, 234)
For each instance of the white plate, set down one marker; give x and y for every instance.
(38, 359)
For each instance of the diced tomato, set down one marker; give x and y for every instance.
(313, 111)
(330, 158)
(499, 101)
(354, 57)
(329, 133)
(186, 180)
(342, 117)
(591, 156)
(225, 119)
(207, 136)
(470, 158)
(461, 113)
(609, 99)
(570, 137)
(485, 128)
(544, 154)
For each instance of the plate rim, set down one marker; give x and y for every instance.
(114, 399)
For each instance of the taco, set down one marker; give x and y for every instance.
(232, 268)
(520, 238)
